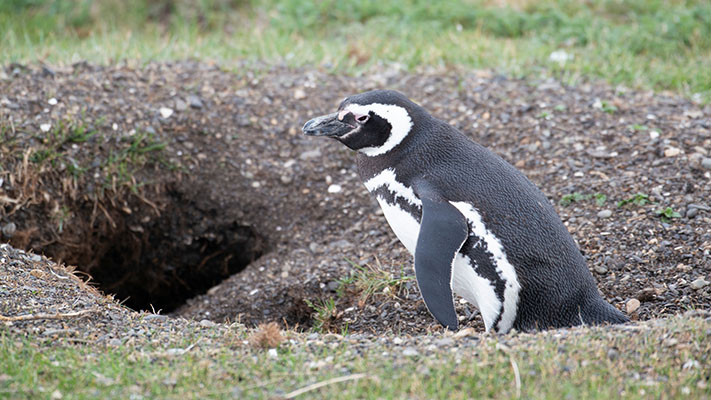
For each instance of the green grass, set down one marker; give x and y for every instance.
(666, 361)
(638, 199)
(324, 313)
(372, 280)
(666, 214)
(660, 44)
(568, 199)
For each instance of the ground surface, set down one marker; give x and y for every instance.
(62, 339)
(231, 174)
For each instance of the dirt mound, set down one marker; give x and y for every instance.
(164, 180)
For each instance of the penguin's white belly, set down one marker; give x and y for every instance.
(465, 282)
(475, 289)
(405, 226)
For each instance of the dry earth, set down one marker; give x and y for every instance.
(223, 176)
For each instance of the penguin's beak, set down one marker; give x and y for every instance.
(327, 125)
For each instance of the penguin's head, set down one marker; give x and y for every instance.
(373, 122)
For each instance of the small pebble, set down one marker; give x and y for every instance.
(601, 269)
(692, 212)
(45, 127)
(410, 352)
(604, 214)
(613, 354)
(315, 247)
(180, 105)
(699, 283)
(165, 112)
(334, 188)
(671, 152)
(37, 273)
(195, 101)
(52, 101)
(272, 353)
(310, 154)
(157, 317)
(706, 163)
(9, 229)
(444, 342)
(299, 94)
(206, 323)
(632, 305)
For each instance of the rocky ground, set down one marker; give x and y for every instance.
(222, 172)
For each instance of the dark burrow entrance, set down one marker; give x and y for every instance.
(150, 270)
(151, 254)
(158, 260)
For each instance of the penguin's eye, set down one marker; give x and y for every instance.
(363, 118)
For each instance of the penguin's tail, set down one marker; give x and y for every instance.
(599, 312)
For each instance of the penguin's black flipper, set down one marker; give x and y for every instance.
(443, 231)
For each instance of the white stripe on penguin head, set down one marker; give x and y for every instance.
(397, 117)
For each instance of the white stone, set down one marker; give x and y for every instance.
(671, 152)
(632, 305)
(699, 283)
(166, 112)
(604, 214)
(45, 127)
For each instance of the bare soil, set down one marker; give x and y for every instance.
(224, 203)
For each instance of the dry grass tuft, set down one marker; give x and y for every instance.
(266, 336)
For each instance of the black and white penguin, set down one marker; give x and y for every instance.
(476, 226)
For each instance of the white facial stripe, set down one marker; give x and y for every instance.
(504, 269)
(475, 289)
(396, 116)
(388, 179)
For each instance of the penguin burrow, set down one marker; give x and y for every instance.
(476, 225)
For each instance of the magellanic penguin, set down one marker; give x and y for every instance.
(476, 226)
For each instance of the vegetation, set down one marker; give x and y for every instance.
(367, 281)
(666, 214)
(362, 284)
(571, 198)
(638, 199)
(663, 361)
(324, 313)
(660, 44)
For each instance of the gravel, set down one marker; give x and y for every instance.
(233, 146)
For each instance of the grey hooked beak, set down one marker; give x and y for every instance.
(327, 125)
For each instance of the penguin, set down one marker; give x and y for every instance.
(476, 226)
